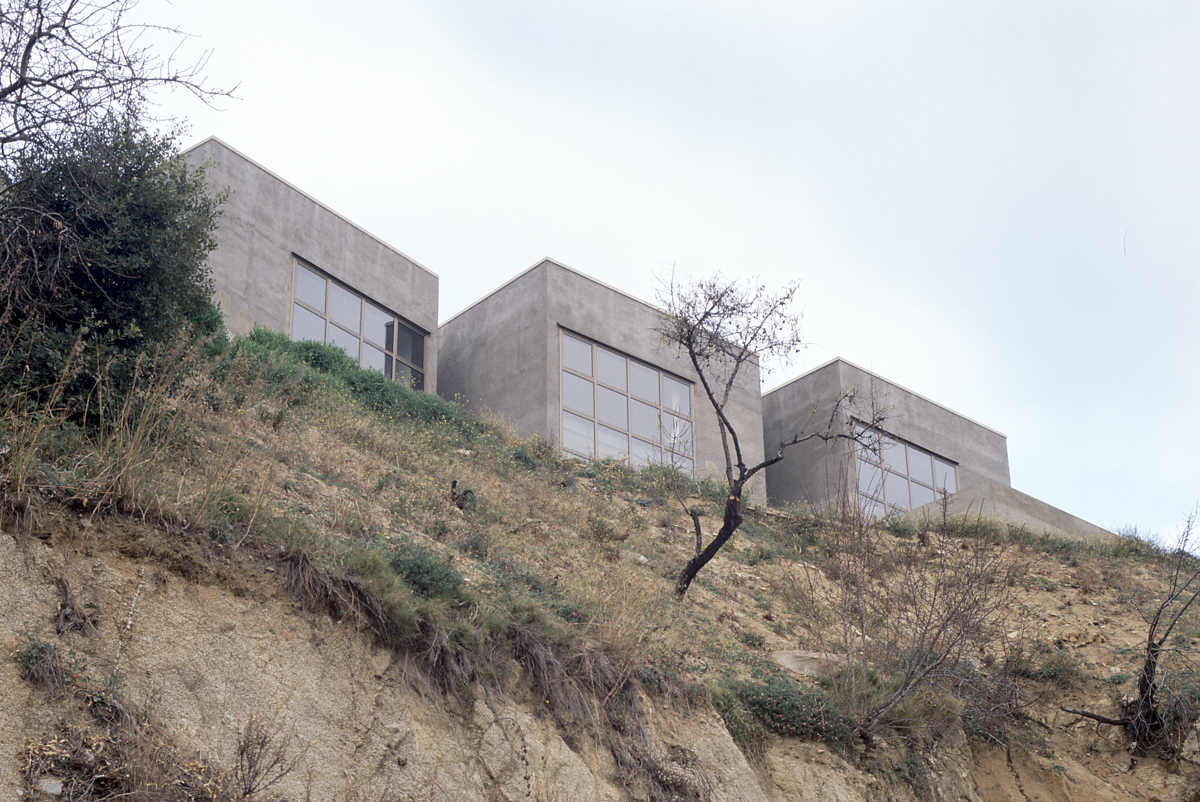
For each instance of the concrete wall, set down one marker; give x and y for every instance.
(267, 223)
(995, 500)
(817, 472)
(501, 355)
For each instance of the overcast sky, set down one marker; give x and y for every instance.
(993, 204)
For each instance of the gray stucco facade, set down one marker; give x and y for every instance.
(269, 226)
(504, 355)
(927, 449)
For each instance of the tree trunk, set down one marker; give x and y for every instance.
(732, 520)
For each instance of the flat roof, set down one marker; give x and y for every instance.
(875, 375)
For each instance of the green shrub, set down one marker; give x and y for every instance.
(743, 725)
(315, 365)
(428, 575)
(1051, 663)
(798, 712)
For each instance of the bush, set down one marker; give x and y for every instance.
(428, 575)
(794, 711)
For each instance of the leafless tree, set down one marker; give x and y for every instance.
(725, 326)
(66, 64)
(1167, 704)
(909, 615)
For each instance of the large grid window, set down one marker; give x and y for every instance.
(614, 407)
(898, 476)
(329, 312)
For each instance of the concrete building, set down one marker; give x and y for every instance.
(922, 450)
(558, 354)
(289, 263)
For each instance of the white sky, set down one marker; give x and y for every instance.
(994, 204)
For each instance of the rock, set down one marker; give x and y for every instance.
(809, 664)
(51, 786)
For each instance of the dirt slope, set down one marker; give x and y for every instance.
(206, 640)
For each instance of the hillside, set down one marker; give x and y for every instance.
(264, 573)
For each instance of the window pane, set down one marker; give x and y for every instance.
(310, 288)
(682, 463)
(578, 434)
(577, 394)
(643, 382)
(868, 444)
(872, 510)
(921, 495)
(406, 375)
(645, 454)
(611, 443)
(612, 407)
(378, 325)
(306, 325)
(895, 490)
(345, 308)
(577, 355)
(344, 340)
(920, 466)
(374, 359)
(870, 479)
(893, 454)
(410, 345)
(677, 433)
(945, 478)
(644, 419)
(676, 396)
(610, 368)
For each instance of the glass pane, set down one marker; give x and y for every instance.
(387, 365)
(643, 382)
(895, 490)
(677, 433)
(345, 308)
(920, 466)
(577, 394)
(870, 479)
(374, 359)
(682, 463)
(644, 420)
(872, 510)
(612, 407)
(306, 325)
(310, 288)
(645, 454)
(577, 355)
(611, 443)
(378, 325)
(676, 396)
(868, 444)
(345, 340)
(893, 454)
(406, 375)
(578, 434)
(921, 495)
(410, 345)
(945, 477)
(610, 368)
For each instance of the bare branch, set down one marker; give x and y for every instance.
(65, 64)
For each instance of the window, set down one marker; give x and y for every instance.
(329, 312)
(614, 407)
(898, 476)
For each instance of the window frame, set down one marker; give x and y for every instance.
(395, 363)
(641, 448)
(882, 467)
